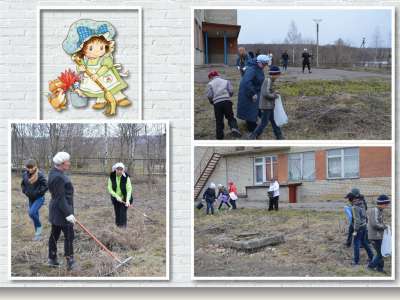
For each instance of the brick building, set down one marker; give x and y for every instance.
(215, 36)
(310, 174)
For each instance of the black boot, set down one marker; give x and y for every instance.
(53, 262)
(70, 263)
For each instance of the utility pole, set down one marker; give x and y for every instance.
(317, 21)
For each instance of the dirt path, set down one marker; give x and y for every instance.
(319, 206)
(295, 74)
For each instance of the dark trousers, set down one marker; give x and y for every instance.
(377, 262)
(222, 202)
(210, 207)
(221, 110)
(273, 203)
(308, 66)
(284, 66)
(251, 126)
(359, 240)
(120, 211)
(350, 235)
(233, 203)
(68, 231)
(267, 115)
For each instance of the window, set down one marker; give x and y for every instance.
(302, 166)
(343, 163)
(265, 168)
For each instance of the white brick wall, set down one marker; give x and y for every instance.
(166, 95)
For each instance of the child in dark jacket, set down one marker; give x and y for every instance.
(223, 197)
(376, 228)
(209, 197)
(219, 93)
(34, 186)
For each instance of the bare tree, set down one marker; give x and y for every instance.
(293, 36)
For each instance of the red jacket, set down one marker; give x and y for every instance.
(233, 189)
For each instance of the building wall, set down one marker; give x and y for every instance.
(226, 16)
(198, 37)
(216, 51)
(375, 172)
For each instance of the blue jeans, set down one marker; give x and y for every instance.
(377, 262)
(360, 239)
(210, 206)
(34, 211)
(267, 115)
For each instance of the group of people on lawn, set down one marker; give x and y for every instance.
(219, 193)
(61, 207)
(366, 226)
(256, 96)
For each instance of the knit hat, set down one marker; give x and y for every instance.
(83, 30)
(274, 70)
(355, 192)
(212, 185)
(383, 199)
(349, 196)
(264, 59)
(61, 157)
(213, 74)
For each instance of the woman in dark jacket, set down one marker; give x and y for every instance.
(34, 186)
(249, 91)
(209, 197)
(61, 210)
(120, 189)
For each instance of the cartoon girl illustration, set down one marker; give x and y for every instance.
(90, 44)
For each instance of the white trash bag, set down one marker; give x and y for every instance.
(280, 115)
(386, 249)
(233, 196)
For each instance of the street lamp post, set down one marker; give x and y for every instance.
(317, 21)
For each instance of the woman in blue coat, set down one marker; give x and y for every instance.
(249, 91)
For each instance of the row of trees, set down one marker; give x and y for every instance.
(340, 53)
(93, 147)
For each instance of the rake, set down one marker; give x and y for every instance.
(120, 262)
(144, 215)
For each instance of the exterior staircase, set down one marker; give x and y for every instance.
(204, 171)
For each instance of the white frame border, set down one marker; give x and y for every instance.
(41, 9)
(100, 279)
(300, 143)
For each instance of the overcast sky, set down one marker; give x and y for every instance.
(271, 26)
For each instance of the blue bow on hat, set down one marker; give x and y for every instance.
(85, 32)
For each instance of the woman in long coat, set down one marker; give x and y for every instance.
(249, 91)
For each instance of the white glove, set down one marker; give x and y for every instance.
(255, 98)
(71, 219)
(244, 69)
(238, 67)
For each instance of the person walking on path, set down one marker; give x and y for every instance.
(360, 231)
(285, 60)
(219, 93)
(209, 197)
(273, 193)
(232, 193)
(223, 197)
(34, 186)
(249, 91)
(349, 240)
(242, 60)
(61, 210)
(267, 105)
(376, 227)
(306, 60)
(120, 188)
